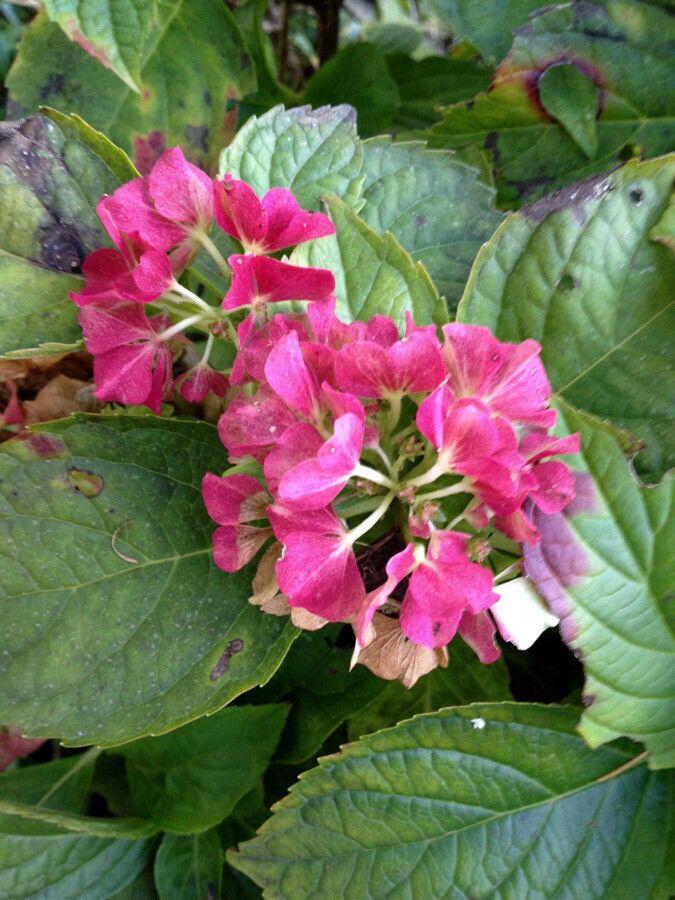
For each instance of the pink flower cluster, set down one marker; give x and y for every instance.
(355, 431)
(157, 225)
(341, 436)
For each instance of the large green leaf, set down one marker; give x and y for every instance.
(578, 272)
(606, 567)
(112, 31)
(50, 183)
(373, 273)
(433, 204)
(193, 63)
(357, 75)
(41, 859)
(489, 27)
(475, 801)
(310, 151)
(189, 867)
(191, 779)
(114, 613)
(615, 45)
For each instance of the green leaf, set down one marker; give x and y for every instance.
(112, 31)
(357, 75)
(40, 856)
(428, 83)
(606, 567)
(189, 867)
(113, 156)
(466, 680)
(489, 27)
(578, 272)
(310, 151)
(433, 204)
(475, 801)
(50, 183)
(193, 64)
(569, 96)
(191, 779)
(373, 273)
(115, 614)
(614, 46)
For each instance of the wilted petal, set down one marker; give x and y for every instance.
(478, 631)
(391, 655)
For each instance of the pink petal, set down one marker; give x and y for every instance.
(478, 631)
(288, 224)
(432, 414)
(518, 527)
(369, 370)
(124, 374)
(234, 498)
(14, 746)
(179, 190)
(239, 211)
(297, 443)
(13, 413)
(263, 279)
(131, 210)
(109, 325)
(290, 378)
(285, 521)
(200, 381)
(555, 486)
(398, 567)
(319, 573)
(101, 270)
(538, 444)
(251, 426)
(382, 330)
(328, 329)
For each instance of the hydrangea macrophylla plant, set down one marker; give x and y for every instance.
(342, 435)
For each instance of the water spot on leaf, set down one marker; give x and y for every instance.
(84, 482)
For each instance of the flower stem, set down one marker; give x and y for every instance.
(461, 487)
(213, 252)
(394, 413)
(439, 468)
(207, 349)
(178, 288)
(361, 471)
(180, 326)
(365, 526)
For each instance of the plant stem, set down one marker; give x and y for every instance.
(178, 288)
(462, 487)
(361, 471)
(207, 349)
(439, 468)
(371, 520)
(180, 326)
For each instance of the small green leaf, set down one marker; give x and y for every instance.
(578, 272)
(115, 615)
(112, 31)
(357, 75)
(113, 156)
(433, 204)
(310, 151)
(189, 867)
(373, 273)
(476, 801)
(191, 779)
(571, 97)
(193, 63)
(605, 566)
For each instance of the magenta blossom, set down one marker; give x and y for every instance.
(260, 280)
(233, 502)
(264, 226)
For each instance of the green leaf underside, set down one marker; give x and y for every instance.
(476, 801)
(115, 614)
(112, 31)
(41, 852)
(608, 569)
(614, 44)
(357, 75)
(189, 867)
(433, 204)
(373, 273)
(50, 183)
(193, 64)
(579, 273)
(310, 151)
(191, 779)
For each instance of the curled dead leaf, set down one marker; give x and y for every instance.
(390, 655)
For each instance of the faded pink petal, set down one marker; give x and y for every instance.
(255, 343)
(258, 280)
(235, 546)
(314, 483)
(555, 486)
(251, 426)
(200, 381)
(518, 527)
(14, 746)
(289, 376)
(12, 414)
(234, 498)
(509, 378)
(368, 369)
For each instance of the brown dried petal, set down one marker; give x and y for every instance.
(391, 655)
